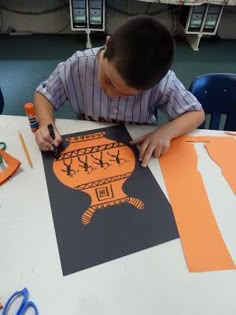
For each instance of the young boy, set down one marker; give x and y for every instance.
(125, 81)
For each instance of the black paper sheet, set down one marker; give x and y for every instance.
(141, 219)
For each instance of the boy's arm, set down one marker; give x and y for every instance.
(50, 95)
(185, 114)
(183, 124)
(45, 116)
(44, 110)
(157, 142)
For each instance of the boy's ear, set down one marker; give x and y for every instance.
(108, 38)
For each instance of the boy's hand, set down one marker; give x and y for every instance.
(154, 143)
(232, 133)
(45, 141)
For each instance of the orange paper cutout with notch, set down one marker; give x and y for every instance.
(11, 168)
(225, 161)
(203, 245)
(222, 151)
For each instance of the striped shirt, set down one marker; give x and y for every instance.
(76, 81)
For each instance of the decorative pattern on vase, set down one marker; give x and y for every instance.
(99, 167)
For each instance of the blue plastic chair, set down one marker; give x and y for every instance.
(1, 101)
(217, 94)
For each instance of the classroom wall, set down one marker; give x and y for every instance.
(59, 21)
(46, 23)
(227, 27)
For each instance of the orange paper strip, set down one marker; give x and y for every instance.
(203, 245)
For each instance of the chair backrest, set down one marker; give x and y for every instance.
(1, 101)
(217, 94)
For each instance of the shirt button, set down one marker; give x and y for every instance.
(115, 111)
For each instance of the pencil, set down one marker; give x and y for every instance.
(25, 149)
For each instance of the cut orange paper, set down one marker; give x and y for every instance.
(225, 158)
(12, 166)
(222, 150)
(203, 245)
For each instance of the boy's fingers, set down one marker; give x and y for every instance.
(147, 155)
(232, 133)
(46, 147)
(158, 152)
(46, 136)
(44, 140)
(164, 149)
(142, 150)
(57, 140)
(138, 140)
(48, 139)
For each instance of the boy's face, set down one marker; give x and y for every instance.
(110, 80)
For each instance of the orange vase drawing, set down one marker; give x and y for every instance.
(99, 167)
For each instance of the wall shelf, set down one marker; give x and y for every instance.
(201, 21)
(87, 16)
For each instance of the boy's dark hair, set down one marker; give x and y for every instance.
(142, 51)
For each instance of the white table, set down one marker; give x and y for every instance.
(153, 281)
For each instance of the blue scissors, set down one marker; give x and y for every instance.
(3, 146)
(24, 306)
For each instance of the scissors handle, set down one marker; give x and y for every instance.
(3, 146)
(25, 304)
(28, 305)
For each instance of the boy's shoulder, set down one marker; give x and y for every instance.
(169, 75)
(169, 79)
(90, 52)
